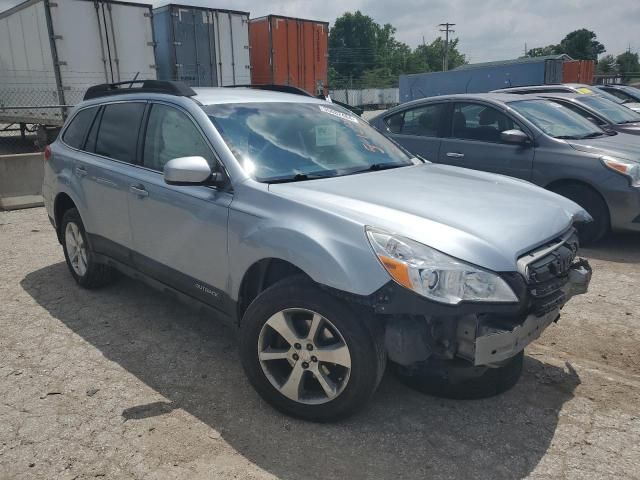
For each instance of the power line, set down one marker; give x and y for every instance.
(447, 30)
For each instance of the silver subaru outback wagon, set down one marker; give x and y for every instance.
(330, 248)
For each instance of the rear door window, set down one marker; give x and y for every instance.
(76, 132)
(474, 121)
(617, 93)
(423, 121)
(580, 111)
(118, 134)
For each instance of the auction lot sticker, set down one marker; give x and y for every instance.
(338, 114)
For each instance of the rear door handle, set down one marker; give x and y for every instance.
(80, 171)
(455, 155)
(139, 190)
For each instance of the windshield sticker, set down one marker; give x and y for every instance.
(338, 114)
(326, 136)
(585, 90)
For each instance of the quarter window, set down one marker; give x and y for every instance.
(171, 134)
(76, 132)
(473, 121)
(424, 121)
(118, 134)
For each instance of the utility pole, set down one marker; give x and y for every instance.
(447, 30)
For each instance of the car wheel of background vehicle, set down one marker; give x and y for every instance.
(309, 354)
(592, 202)
(77, 252)
(457, 379)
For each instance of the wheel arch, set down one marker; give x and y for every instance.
(557, 187)
(61, 204)
(260, 276)
(557, 184)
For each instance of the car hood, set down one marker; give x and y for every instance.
(622, 145)
(485, 219)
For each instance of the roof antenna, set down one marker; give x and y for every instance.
(134, 79)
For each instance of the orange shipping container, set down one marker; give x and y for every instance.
(289, 51)
(578, 71)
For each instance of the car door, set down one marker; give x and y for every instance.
(179, 232)
(419, 129)
(104, 167)
(474, 141)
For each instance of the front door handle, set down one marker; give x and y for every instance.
(139, 190)
(80, 171)
(455, 155)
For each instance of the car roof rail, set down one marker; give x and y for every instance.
(142, 86)
(275, 88)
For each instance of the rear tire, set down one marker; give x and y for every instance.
(461, 381)
(351, 386)
(593, 203)
(80, 258)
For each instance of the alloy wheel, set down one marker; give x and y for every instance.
(76, 249)
(304, 356)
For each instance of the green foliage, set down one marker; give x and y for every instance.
(628, 66)
(544, 51)
(433, 53)
(582, 45)
(363, 53)
(607, 65)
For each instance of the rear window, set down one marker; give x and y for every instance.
(77, 130)
(118, 134)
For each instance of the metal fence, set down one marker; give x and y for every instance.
(367, 98)
(26, 106)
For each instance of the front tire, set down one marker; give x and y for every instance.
(309, 354)
(80, 258)
(457, 379)
(593, 203)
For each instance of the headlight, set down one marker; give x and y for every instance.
(434, 274)
(626, 167)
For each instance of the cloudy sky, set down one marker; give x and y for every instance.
(488, 29)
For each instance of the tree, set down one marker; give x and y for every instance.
(607, 65)
(544, 51)
(628, 65)
(581, 45)
(432, 55)
(363, 53)
(357, 43)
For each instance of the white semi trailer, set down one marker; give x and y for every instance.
(52, 50)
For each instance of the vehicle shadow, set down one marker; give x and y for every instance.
(616, 247)
(193, 362)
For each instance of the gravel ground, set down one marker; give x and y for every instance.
(125, 383)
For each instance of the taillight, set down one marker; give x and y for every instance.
(47, 153)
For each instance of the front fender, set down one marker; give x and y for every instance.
(340, 257)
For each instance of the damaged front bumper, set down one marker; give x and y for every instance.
(417, 329)
(493, 345)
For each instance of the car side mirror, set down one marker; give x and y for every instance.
(187, 171)
(516, 137)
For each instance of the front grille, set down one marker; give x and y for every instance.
(546, 271)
